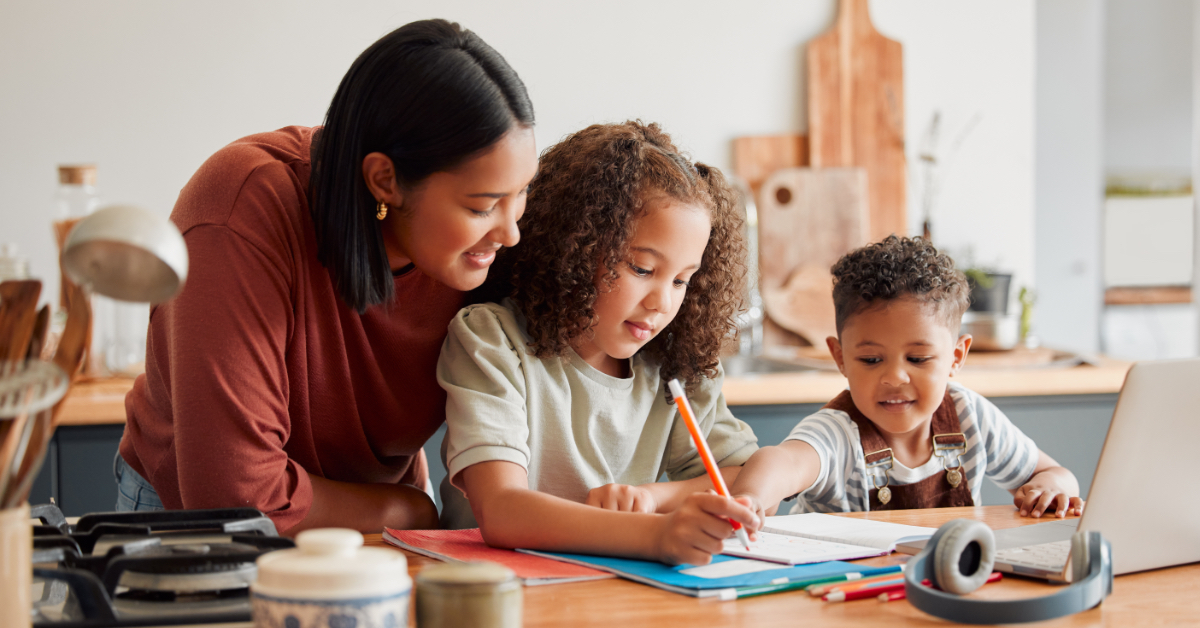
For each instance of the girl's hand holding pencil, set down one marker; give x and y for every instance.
(697, 530)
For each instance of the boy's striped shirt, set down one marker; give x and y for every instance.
(995, 448)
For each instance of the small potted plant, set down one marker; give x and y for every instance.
(989, 290)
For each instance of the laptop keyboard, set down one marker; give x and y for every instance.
(1046, 556)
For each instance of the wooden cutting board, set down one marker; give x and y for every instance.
(807, 219)
(755, 157)
(856, 111)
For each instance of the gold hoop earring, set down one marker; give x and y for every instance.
(381, 210)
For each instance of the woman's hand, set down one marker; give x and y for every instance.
(697, 530)
(1042, 494)
(622, 498)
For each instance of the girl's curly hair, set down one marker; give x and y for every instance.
(579, 218)
(895, 268)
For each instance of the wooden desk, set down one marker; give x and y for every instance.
(1155, 598)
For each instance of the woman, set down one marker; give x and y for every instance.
(295, 373)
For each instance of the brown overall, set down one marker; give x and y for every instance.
(940, 490)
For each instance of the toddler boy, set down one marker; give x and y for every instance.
(903, 435)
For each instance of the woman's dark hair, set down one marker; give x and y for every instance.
(429, 95)
(579, 219)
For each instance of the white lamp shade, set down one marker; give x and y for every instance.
(127, 253)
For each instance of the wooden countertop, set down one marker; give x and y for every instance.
(102, 401)
(96, 402)
(1154, 598)
(1106, 376)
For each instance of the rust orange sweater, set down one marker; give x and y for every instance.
(258, 371)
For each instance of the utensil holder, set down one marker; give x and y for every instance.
(16, 568)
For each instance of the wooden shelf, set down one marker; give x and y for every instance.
(1148, 296)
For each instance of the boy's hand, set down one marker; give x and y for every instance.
(752, 502)
(1041, 495)
(697, 530)
(623, 498)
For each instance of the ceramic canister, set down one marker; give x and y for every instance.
(331, 581)
(480, 595)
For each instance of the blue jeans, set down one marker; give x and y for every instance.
(133, 491)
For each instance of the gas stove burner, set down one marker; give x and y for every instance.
(178, 578)
(141, 569)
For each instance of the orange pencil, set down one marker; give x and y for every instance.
(710, 465)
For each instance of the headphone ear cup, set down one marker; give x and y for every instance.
(1080, 556)
(963, 545)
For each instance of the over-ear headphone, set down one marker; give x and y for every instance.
(958, 559)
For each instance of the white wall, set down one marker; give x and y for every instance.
(1070, 172)
(148, 89)
(1148, 87)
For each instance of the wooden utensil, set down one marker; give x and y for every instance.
(29, 390)
(73, 344)
(18, 317)
(37, 426)
(807, 219)
(38, 340)
(856, 111)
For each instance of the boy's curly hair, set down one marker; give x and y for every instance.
(579, 218)
(894, 268)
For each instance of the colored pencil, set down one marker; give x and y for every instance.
(892, 596)
(821, 589)
(710, 464)
(846, 596)
(792, 585)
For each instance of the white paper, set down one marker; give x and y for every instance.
(878, 534)
(795, 550)
(729, 568)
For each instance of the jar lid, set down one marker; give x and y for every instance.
(331, 563)
(473, 573)
(84, 174)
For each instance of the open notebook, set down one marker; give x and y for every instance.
(815, 537)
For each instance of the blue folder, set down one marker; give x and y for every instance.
(672, 578)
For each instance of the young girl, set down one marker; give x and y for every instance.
(629, 271)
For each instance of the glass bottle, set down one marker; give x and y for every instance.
(75, 198)
(118, 342)
(12, 265)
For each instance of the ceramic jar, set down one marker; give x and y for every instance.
(479, 595)
(16, 555)
(331, 581)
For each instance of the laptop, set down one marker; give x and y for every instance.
(1145, 498)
